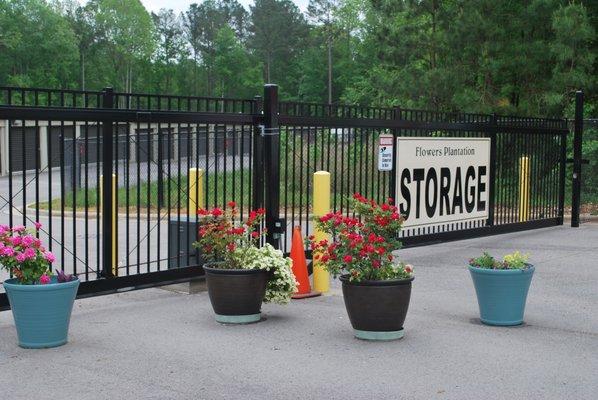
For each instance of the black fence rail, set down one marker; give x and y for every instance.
(57, 145)
(343, 140)
(136, 228)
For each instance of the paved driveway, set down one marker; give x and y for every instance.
(157, 344)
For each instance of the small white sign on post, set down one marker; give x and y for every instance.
(385, 151)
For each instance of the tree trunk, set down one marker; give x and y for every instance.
(82, 69)
(329, 70)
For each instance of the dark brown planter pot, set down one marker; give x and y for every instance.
(377, 309)
(236, 294)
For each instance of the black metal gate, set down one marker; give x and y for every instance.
(258, 152)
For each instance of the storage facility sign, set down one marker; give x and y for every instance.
(442, 180)
(385, 149)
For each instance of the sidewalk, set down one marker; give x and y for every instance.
(158, 344)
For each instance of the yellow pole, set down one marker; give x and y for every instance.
(321, 207)
(114, 238)
(524, 189)
(196, 194)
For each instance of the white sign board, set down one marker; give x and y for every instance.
(385, 149)
(442, 180)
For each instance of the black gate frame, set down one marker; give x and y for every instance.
(267, 116)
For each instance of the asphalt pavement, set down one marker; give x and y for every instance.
(159, 344)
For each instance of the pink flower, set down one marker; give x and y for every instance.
(18, 228)
(27, 240)
(8, 251)
(409, 268)
(49, 257)
(4, 229)
(16, 240)
(29, 253)
(38, 225)
(20, 257)
(45, 279)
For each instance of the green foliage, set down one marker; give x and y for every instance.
(514, 260)
(502, 56)
(484, 261)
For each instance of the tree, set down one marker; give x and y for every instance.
(127, 36)
(237, 74)
(202, 23)
(574, 55)
(323, 12)
(276, 34)
(81, 19)
(171, 46)
(38, 46)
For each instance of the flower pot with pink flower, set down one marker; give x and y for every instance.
(41, 303)
(239, 274)
(376, 286)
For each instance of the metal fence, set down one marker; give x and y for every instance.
(344, 139)
(55, 145)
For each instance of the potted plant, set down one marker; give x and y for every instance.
(41, 303)
(501, 287)
(376, 287)
(239, 274)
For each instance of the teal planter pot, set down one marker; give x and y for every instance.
(41, 312)
(501, 294)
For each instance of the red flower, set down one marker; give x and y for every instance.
(326, 218)
(231, 247)
(255, 234)
(347, 258)
(232, 204)
(217, 212)
(202, 211)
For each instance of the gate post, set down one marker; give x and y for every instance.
(107, 192)
(492, 172)
(393, 179)
(271, 147)
(576, 182)
(257, 184)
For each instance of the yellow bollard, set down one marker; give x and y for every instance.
(196, 195)
(321, 207)
(114, 212)
(524, 189)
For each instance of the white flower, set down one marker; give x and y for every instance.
(282, 283)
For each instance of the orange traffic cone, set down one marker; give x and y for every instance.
(300, 267)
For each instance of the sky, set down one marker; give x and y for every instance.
(182, 5)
